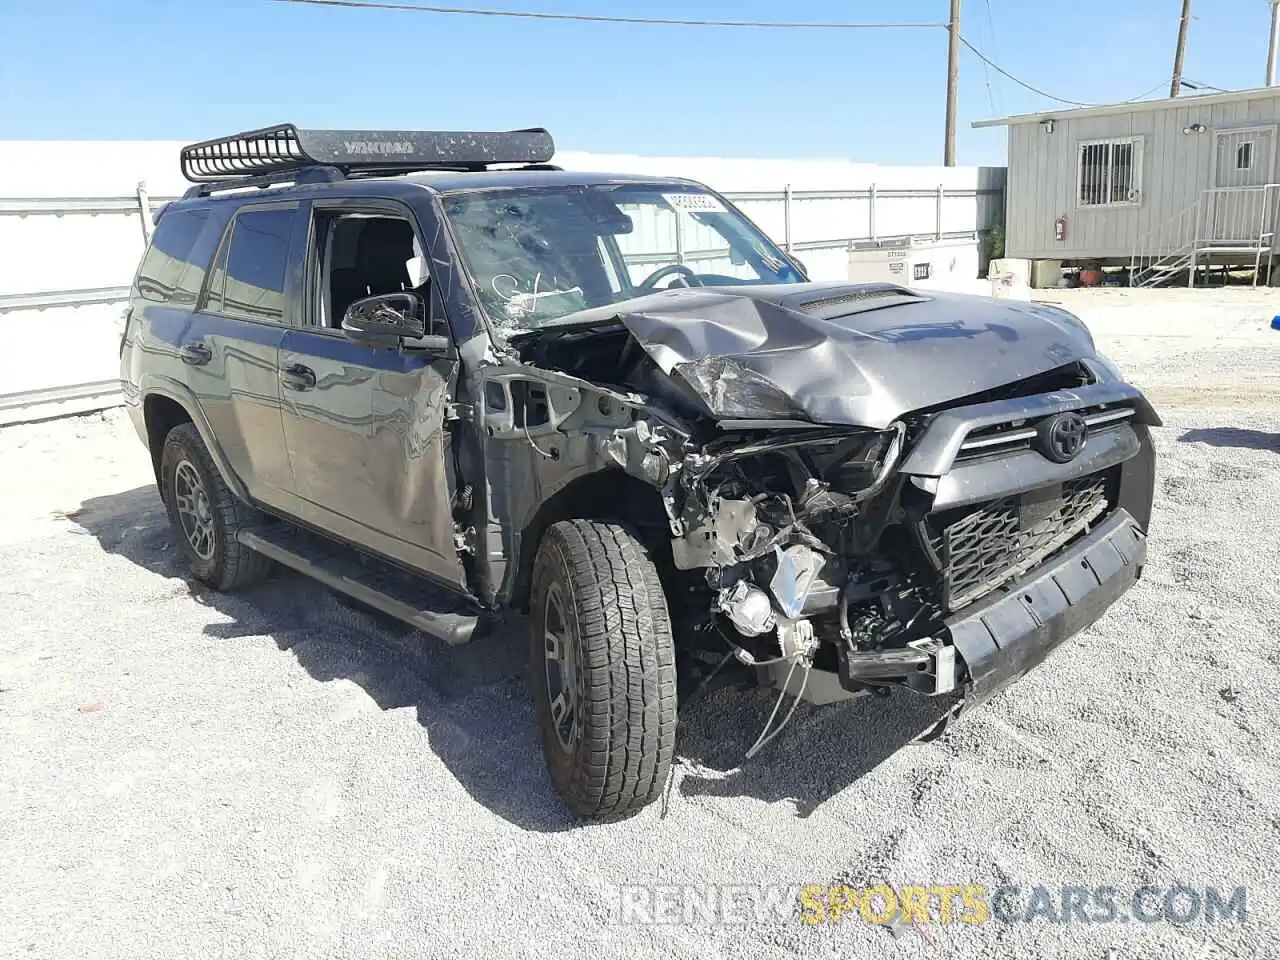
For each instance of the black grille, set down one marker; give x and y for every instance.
(979, 550)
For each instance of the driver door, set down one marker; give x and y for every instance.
(365, 425)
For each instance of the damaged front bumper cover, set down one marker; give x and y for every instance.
(1002, 638)
(994, 642)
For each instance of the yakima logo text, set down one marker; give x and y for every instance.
(378, 146)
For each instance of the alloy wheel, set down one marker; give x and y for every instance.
(195, 511)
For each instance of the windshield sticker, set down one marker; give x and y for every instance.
(692, 203)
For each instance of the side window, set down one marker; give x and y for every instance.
(361, 255)
(167, 273)
(249, 278)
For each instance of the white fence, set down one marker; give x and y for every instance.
(68, 260)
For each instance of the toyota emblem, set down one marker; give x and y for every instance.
(1061, 438)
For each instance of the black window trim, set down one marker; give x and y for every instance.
(312, 269)
(136, 286)
(221, 252)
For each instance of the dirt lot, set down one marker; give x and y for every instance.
(276, 775)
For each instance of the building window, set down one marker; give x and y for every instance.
(1110, 172)
(921, 271)
(1244, 155)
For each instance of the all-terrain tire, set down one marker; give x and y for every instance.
(616, 622)
(227, 564)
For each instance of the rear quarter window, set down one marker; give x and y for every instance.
(249, 279)
(169, 273)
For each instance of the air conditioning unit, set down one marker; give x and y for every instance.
(873, 261)
(916, 261)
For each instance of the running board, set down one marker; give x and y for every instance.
(371, 582)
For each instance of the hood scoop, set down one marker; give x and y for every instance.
(869, 297)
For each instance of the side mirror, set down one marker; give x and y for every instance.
(386, 319)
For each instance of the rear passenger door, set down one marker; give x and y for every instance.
(365, 425)
(232, 348)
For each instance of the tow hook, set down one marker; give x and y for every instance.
(942, 658)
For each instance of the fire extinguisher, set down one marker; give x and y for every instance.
(1060, 229)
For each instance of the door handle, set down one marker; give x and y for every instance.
(196, 353)
(297, 377)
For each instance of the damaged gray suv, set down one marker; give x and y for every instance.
(448, 379)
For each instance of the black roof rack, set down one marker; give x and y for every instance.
(272, 151)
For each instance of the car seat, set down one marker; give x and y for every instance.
(382, 248)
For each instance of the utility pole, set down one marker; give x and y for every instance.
(1274, 47)
(953, 78)
(1180, 54)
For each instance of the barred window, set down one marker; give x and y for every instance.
(1110, 172)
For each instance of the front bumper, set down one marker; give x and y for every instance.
(999, 639)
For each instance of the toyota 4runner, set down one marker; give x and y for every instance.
(446, 378)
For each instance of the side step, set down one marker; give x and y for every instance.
(372, 582)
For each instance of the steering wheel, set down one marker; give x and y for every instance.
(690, 278)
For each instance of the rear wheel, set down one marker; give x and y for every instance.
(602, 668)
(205, 515)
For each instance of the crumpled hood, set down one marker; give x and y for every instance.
(861, 354)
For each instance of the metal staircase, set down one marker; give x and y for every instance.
(1232, 226)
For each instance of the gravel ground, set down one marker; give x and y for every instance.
(275, 774)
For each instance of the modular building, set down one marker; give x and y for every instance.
(1168, 189)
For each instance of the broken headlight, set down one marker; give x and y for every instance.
(732, 391)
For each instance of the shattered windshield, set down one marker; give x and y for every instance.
(539, 254)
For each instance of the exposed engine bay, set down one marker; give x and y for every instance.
(797, 530)
(833, 555)
(806, 538)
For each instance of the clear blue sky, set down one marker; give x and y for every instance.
(181, 69)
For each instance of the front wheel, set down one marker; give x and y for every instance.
(602, 667)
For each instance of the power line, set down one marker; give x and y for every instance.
(1191, 84)
(603, 18)
(986, 71)
(691, 22)
(1044, 93)
(1148, 91)
(1022, 83)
